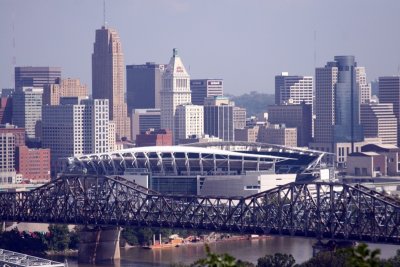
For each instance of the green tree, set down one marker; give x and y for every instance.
(338, 258)
(218, 260)
(361, 256)
(59, 237)
(276, 260)
(130, 235)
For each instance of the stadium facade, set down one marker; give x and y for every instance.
(217, 168)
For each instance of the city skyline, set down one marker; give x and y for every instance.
(218, 31)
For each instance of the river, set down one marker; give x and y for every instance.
(246, 250)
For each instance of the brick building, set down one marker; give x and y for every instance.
(151, 137)
(33, 164)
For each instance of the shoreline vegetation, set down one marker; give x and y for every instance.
(59, 241)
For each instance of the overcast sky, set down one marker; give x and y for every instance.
(244, 42)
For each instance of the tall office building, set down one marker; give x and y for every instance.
(67, 87)
(375, 87)
(337, 109)
(239, 117)
(27, 110)
(108, 77)
(36, 76)
(202, 88)
(144, 119)
(378, 120)
(389, 92)
(189, 121)
(143, 85)
(7, 158)
(364, 87)
(293, 89)
(82, 124)
(5, 110)
(218, 118)
(295, 116)
(175, 91)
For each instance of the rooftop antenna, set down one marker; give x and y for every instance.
(104, 13)
(14, 57)
(315, 49)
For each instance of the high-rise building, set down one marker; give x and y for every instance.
(364, 87)
(76, 127)
(218, 118)
(143, 85)
(378, 120)
(337, 108)
(338, 102)
(19, 133)
(5, 110)
(175, 91)
(189, 121)
(144, 119)
(239, 117)
(297, 116)
(202, 88)
(27, 110)
(375, 87)
(67, 87)
(108, 77)
(36, 76)
(389, 92)
(11, 137)
(293, 89)
(7, 158)
(278, 134)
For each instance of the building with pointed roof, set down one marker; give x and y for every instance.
(175, 91)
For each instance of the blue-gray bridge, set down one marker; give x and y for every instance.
(316, 209)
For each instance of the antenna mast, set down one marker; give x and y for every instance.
(14, 57)
(104, 13)
(315, 49)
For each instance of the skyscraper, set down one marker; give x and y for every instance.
(202, 88)
(175, 91)
(389, 92)
(108, 77)
(338, 102)
(296, 116)
(337, 108)
(364, 87)
(67, 87)
(36, 76)
(27, 110)
(378, 120)
(293, 89)
(189, 121)
(76, 127)
(218, 118)
(143, 85)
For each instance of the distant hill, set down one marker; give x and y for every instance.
(255, 102)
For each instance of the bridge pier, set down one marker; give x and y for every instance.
(99, 244)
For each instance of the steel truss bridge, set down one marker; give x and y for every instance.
(315, 209)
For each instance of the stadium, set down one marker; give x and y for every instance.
(215, 168)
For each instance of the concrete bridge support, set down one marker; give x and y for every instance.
(99, 244)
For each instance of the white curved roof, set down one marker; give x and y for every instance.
(184, 149)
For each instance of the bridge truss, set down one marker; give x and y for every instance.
(316, 209)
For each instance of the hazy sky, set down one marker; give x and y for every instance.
(244, 42)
